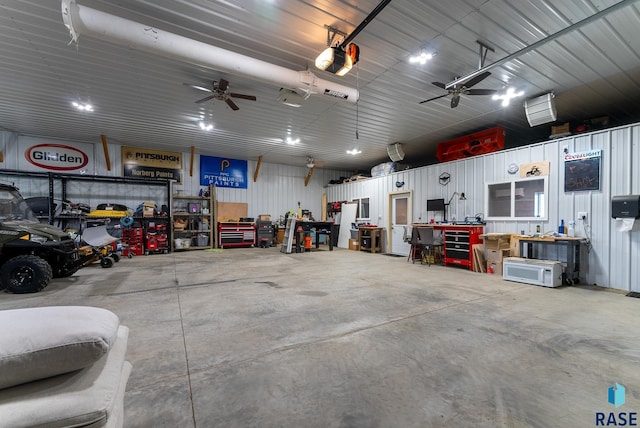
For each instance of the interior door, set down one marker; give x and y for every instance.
(400, 218)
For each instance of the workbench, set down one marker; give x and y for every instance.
(527, 246)
(319, 227)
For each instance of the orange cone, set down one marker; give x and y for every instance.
(489, 269)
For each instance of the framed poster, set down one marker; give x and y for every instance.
(582, 171)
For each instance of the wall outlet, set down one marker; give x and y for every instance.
(582, 215)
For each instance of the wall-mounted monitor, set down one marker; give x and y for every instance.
(435, 205)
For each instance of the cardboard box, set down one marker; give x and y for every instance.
(264, 217)
(496, 241)
(148, 211)
(496, 256)
(496, 267)
(560, 129)
(354, 244)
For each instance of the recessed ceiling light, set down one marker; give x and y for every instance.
(507, 96)
(82, 107)
(206, 126)
(422, 58)
(354, 152)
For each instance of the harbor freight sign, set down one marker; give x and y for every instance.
(223, 172)
(151, 164)
(41, 154)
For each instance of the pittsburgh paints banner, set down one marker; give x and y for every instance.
(148, 163)
(223, 172)
(42, 154)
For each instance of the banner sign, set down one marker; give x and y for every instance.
(42, 154)
(582, 171)
(533, 169)
(223, 172)
(153, 164)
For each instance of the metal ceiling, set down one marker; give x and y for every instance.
(140, 98)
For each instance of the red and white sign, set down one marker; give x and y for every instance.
(40, 154)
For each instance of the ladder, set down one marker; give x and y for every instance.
(289, 231)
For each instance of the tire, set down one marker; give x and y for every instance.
(25, 274)
(115, 257)
(65, 273)
(106, 262)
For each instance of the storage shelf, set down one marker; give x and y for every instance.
(193, 231)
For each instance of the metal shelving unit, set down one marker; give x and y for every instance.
(197, 213)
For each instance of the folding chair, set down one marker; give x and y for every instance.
(428, 244)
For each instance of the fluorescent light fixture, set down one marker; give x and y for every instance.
(507, 96)
(422, 58)
(334, 60)
(292, 141)
(354, 152)
(206, 127)
(82, 107)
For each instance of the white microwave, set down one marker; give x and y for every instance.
(547, 273)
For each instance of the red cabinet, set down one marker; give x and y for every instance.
(236, 234)
(458, 243)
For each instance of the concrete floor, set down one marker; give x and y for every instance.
(255, 338)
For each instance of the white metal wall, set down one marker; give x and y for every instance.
(277, 190)
(612, 261)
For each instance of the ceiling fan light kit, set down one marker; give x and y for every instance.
(463, 89)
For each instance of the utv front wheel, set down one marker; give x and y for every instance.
(25, 274)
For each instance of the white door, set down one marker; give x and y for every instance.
(400, 218)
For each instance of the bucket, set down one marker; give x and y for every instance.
(307, 242)
(203, 240)
(177, 243)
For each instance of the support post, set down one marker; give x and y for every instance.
(193, 151)
(308, 177)
(255, 174)
(106, 151)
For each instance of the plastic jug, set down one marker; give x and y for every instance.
(571, 231)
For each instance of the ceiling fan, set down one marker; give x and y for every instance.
(220, 91)
(463, 89)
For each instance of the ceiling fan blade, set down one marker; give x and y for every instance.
(210, 97)
(201, 88)
(231, 104)
(245, 97)
(481, 91)
(479, 78)
(439, 85)
(434, 98)
(223, 85)
(454, 101)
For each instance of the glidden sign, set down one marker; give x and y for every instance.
(57, 157)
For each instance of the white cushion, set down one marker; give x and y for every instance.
(89, 397)
(37, 343)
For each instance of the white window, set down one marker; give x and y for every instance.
(524, 199)
(363, 209)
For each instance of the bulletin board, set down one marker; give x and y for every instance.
(582, 171)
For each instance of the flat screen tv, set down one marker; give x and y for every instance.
(435, 204)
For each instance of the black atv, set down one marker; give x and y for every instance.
(31, 253)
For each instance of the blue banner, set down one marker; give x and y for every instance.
(223, 172)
